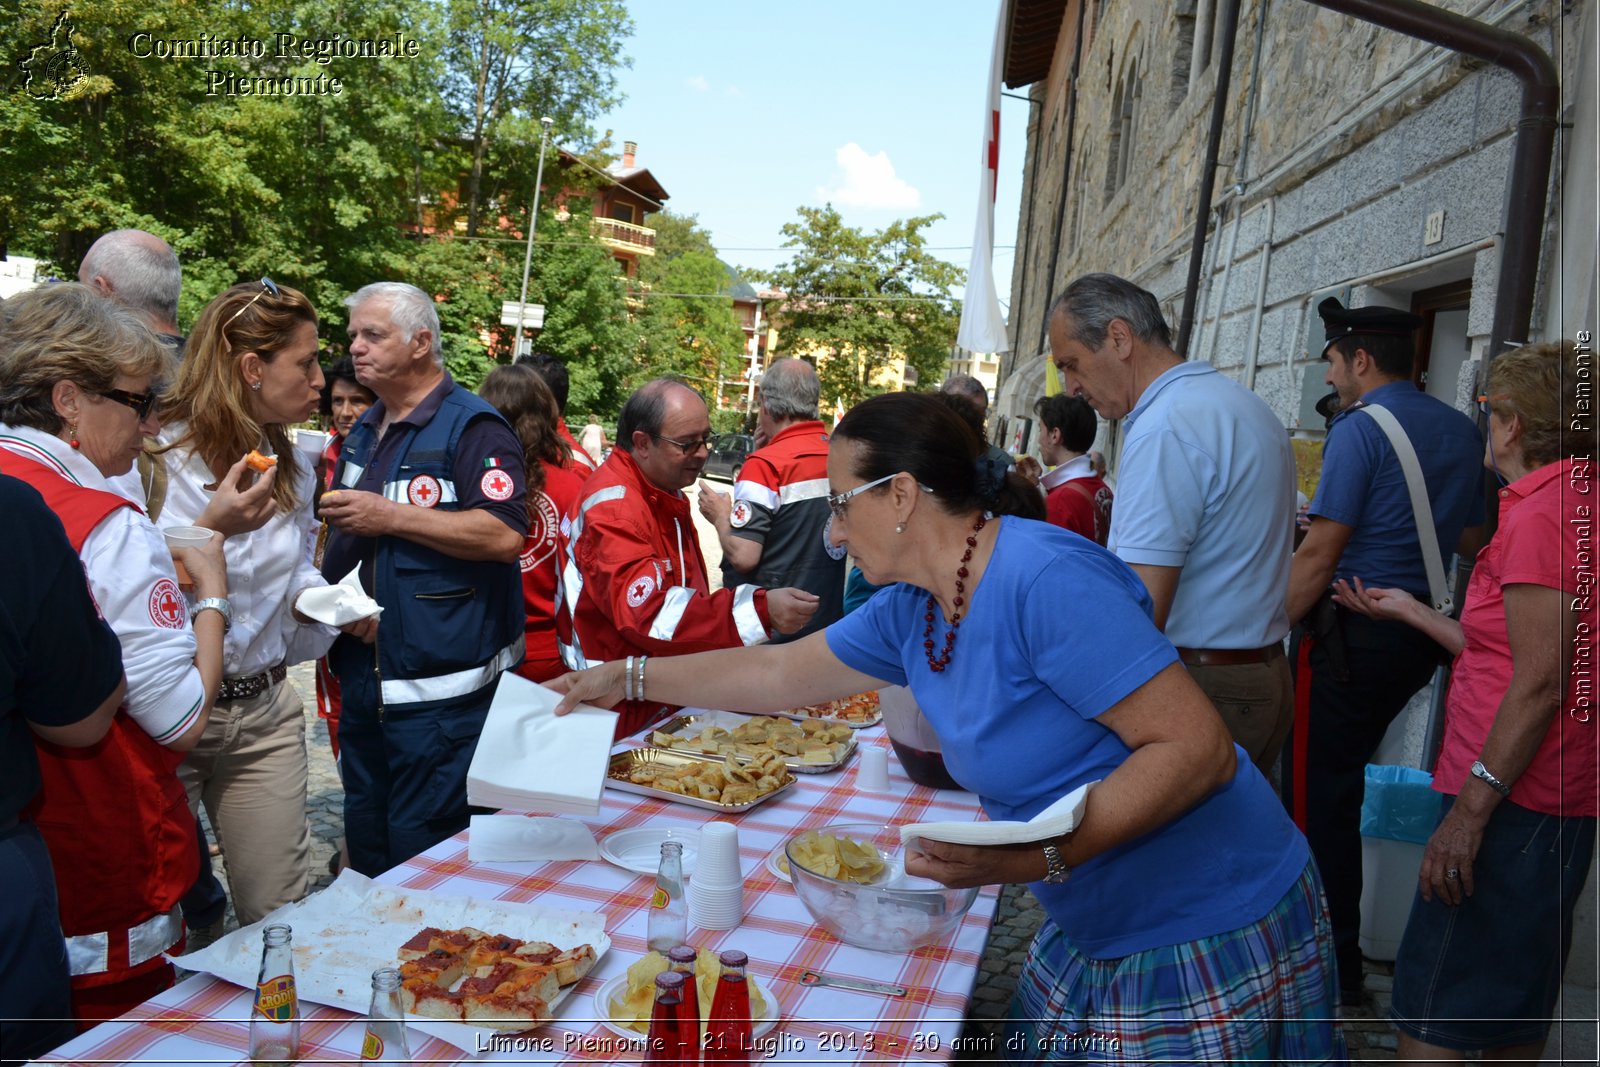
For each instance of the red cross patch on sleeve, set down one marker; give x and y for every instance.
(497, 484)
(166, 605)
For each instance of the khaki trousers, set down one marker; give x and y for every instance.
(249, 770)
(1256, 700)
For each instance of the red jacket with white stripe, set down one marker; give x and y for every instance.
(633, 581)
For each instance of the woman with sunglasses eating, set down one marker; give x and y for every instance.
(78, 381)
(250, 371)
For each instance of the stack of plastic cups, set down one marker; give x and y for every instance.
(716, 892)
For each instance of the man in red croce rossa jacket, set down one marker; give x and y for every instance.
(633, 580)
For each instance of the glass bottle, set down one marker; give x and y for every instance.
(667, 1045)
(669, 913)
(275, 1020)
(385, 1041)
(681, 960)
(728, 1028)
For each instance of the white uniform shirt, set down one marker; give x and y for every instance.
(132, 580)
(268, 568)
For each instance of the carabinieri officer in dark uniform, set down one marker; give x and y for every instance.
(1363, 671)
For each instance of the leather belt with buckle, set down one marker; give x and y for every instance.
(251, 686)
(1229, 657)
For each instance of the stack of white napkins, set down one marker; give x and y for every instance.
(1059, 818)
(525, 838)
(529, 760)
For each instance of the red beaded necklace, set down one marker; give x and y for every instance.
(937, 665)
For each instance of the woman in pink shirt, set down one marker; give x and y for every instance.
(1482, 958)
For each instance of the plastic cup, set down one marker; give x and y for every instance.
(311, 442)
(715, 907)
(185, 537)
(717, 865)
(872, 773)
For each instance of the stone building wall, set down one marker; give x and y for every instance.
(1358, 134)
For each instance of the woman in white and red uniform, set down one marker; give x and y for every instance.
(78, 377)
(522, 396)
(344, 401)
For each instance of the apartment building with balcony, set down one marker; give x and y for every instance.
(620, 203)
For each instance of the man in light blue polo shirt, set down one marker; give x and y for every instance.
(1205, 500)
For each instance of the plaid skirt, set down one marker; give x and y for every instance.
(1262, 993)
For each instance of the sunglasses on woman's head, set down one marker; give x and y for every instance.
(267, 286)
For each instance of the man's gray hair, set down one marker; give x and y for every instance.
(1090, 303)
(968, 387)
(142, 270)
(410, 310)
(790, 390)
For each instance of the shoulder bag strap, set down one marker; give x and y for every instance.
(1421, 509)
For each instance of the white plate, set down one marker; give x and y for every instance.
(608, 992)
(639, 849)
(772, 865)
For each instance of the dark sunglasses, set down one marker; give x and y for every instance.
(141, 403)
(267, 286)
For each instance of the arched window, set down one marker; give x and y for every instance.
(1124, 123)
(1183, 19)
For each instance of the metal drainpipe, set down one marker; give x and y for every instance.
(1208, 172)
(1066, 179)
(1535, 141)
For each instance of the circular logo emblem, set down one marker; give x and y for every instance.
(166, 605)
(423, 491)
(542, 530)
(640, 591)
(740, 514)
(834, 551)
(497, 484)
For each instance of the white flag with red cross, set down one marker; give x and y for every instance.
(983, 328)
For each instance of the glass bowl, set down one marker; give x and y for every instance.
(896, 912)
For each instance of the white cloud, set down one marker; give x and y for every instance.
(869, 181)
(732, 90)
(699, 84)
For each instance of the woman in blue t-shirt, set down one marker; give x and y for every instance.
(1185, 916)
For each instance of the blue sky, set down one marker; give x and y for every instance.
(744, 112)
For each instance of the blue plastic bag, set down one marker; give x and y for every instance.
(1400, 804)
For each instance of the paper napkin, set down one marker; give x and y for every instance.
(339, 604)
(529, 760)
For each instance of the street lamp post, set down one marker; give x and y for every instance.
(533, 222)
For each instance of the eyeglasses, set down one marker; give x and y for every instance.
(267, 286)
(688, 448)
(141, 403)
(1486, 402)
(837, 501)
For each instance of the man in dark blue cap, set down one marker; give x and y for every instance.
(1363, 671)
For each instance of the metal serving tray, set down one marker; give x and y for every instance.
(691, 725)
(623, 762)
(820, 711)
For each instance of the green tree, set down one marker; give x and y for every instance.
(512, 62)
(855, 301)
(688, 326)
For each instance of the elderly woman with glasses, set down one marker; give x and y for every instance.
(1482, 958)
(78, 381)
(1184, 893)
(249, 372)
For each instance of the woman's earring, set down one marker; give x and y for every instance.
(256, 385)
(72, 436)
(900, 528)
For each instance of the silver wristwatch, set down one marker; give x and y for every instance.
(217, 604)
(1483, 774)
(1056, 869)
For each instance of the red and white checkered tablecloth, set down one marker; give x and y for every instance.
(204, 1020)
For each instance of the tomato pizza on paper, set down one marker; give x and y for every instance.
(857, 711)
